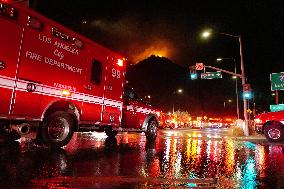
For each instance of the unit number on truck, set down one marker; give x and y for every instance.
(115, 73)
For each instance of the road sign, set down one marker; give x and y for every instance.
(199, 66)
(211, 75)
(276, 108)
(247, 94)
(246, 87)
(277, 81)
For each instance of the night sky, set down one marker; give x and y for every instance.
(138, 29)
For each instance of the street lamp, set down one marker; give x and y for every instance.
(228, 101)
(206, 34)
(236, 88)
(178, 91)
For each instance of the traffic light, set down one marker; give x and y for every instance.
(193, 76)
(247, 94)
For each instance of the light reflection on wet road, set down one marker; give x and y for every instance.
(177, 158)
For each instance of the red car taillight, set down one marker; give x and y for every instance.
(8, 11)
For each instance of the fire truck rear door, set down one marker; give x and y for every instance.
(93, 98)
(10, 43)
(112, 111)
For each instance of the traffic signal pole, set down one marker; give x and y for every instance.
(246, 130)
(276, 97)
(225, 71)
(242, 76)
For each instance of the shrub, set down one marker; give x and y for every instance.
(237, 131)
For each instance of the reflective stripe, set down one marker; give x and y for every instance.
(6, 82)
(144, 110)
(139, 109)
(93, 99)
(113, 103)
(130, 108)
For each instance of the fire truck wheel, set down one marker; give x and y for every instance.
(58, 129)
(110, 133)
(274, 132)
(152, 130)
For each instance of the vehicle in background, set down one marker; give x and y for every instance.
(271, 125)
(174, 121)
(163, 120)
(169, 121)
(214, 122)
(196, 123)
(228, 122)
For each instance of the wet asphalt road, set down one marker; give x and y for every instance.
(178, 159)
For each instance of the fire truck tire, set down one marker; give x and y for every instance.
(152, 129)
(111, 133)
(274, 132)
(57, 129)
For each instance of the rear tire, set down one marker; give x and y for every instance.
(274, 132)
(57, 129)
(152, 130)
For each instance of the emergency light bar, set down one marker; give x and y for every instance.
(60, 34)
(8, 11)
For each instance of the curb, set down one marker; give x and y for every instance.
(250, 138)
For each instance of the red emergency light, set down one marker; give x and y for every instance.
(8, 11)
(119, 62)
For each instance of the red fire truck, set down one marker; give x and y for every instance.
(60, 82)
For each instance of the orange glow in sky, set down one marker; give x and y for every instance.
(159, 48)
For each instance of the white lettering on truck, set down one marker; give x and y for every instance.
(58, 44)
(33, 56)
(52, 62)
(44, 38)
(59, 54)
(66, 47)
(63, 86)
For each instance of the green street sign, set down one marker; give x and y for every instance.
(276, 108)
(211, 75)
(277, 81)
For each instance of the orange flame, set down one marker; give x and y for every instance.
(160, 48)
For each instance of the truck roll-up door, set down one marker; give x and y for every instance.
(10, 42)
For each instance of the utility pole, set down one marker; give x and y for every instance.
(246, 129)
(206, 34)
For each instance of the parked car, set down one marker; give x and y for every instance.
(271, 125)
